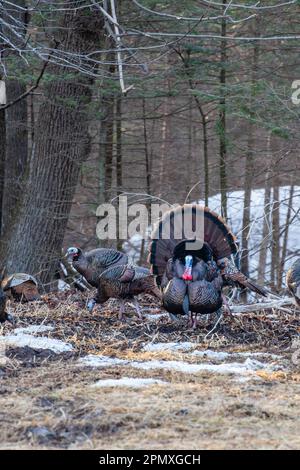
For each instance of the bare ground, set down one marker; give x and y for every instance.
(47, 400)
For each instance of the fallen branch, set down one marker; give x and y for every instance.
(277, 304)
(72, 277)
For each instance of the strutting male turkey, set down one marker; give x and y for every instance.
(293, 281)
(124, 282)
(94, 262)
(192, 269)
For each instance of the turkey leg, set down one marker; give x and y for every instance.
(193, 323)
(226, 306)
(138, 309)
(122, 311)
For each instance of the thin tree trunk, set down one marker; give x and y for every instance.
(222, 118)
(119, 178)
(163, 147)
(146, 147)
(61, 146)
(285, 240)
(204, 130)
(109, 132)
(249, 167)
(265, 234)
(275, 234)
(148, 172)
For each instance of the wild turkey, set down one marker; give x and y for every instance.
(124, 282)
(94, 262)
(293, 281)
(21, 287)
(192, 270)
(4, 316)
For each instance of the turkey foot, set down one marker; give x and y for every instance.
(138, 309)
(226, 307)
(121, 315)
(90, 305)
(173, 317)
(193, 323)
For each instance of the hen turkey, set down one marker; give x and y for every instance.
(94, 262)
(293, 281)
(193, 270)
(124, 282)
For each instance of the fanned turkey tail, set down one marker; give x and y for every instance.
(204, 234)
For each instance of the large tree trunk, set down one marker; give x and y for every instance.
(16, 131)
(61, 146)
(2, 160)
(16, 155)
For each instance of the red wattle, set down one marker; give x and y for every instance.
(187, 277)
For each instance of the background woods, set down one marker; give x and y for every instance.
(180, 100)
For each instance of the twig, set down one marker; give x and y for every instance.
(119, 46)
(34, 87)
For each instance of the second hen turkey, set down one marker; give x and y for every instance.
(94, 262)
(124, 282)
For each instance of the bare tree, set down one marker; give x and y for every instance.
(62, 144)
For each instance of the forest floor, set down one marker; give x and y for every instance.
(235, 389)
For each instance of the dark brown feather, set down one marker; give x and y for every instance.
(215, 233)
(95, 262)
(126, 281)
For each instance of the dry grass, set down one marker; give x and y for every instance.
(46, 400)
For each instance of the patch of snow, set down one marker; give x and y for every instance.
(33, 329)
(257, 354)
(92, 360)
(35, 342)
(62, 285)
(155, 317)
(127, 382)
(219, 355)
(206, 354)
(245, 368)
(184, 346)
(249, 366)
(214, 355)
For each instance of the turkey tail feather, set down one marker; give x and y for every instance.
(255, 288)
(167, 234)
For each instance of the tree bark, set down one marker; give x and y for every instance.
(249, 167)
(265, 233)
(2, 160)
(222, 118)
(16, 131)
(61, 146)
(16, 154)
(275, 261)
